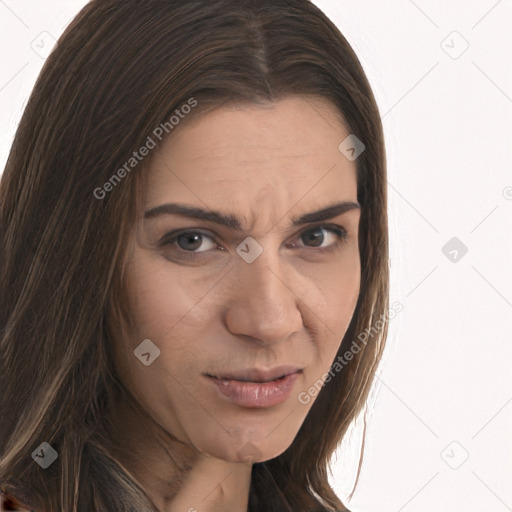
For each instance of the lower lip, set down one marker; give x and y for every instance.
(256, 394)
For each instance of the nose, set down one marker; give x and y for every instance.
(263, 306)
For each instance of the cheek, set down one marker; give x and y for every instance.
(172, 307)
(341, 298)
(162, 301)
(333, 287)
(336, 291)
(161, 307)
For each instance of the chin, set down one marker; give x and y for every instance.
(250, 446)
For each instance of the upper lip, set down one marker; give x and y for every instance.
(258, 374)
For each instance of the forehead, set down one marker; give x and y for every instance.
(268, 156)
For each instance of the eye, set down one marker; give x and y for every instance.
(188, 241)
(190, 244)
(317, 238)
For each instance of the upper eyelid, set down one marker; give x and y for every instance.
(320, 224)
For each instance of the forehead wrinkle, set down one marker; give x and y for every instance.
(211, 157)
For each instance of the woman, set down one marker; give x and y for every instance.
(194, 240)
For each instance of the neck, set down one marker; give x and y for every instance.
(213, 485)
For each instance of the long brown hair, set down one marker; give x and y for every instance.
(120, 70)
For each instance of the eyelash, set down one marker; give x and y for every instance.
(171, 238)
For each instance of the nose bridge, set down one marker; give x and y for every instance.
(265, 306)
(264, 277)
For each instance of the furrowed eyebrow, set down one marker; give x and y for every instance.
(233, 222)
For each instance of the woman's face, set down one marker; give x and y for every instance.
(231, 308)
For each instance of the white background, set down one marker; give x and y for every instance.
(444, 391)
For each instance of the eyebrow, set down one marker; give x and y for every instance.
(231, 221)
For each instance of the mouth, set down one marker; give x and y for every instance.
(256, 388)
(258, 375)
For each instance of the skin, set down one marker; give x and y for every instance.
(218, 313)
